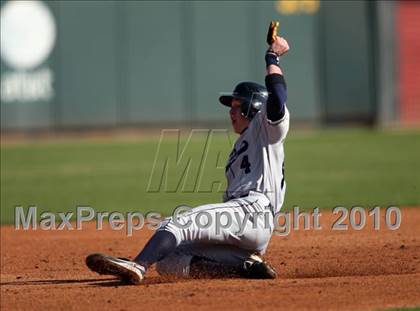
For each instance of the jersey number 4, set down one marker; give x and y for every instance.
(245, 164)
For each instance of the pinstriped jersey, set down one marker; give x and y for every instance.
(256, 162)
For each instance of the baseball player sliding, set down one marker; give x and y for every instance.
(255, 192)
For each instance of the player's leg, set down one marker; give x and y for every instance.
(160, 245)
(204, 261)
(253, 267)
(246, 223)
(245, 231)
(227, 249)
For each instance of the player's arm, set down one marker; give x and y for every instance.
(274, 80)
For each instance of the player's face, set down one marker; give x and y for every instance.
(239, 122)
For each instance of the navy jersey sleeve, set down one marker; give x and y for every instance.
(277, 95)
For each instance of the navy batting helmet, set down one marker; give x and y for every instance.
(251, 95)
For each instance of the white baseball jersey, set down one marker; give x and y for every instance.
(255, 176)
(256, 162)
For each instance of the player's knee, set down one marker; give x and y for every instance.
(256, 241)
(169, 226)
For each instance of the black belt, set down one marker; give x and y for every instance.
(270, 207)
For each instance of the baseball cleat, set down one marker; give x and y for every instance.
(128, 271)
(255, 268)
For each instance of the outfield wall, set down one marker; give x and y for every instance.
(123, 63)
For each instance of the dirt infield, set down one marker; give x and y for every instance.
(326, 269)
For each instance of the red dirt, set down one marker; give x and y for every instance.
(364, 270)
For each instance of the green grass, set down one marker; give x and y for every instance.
(323, 169)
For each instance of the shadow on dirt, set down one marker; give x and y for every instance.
(53, 282)
(108, 282)
(147, 281)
